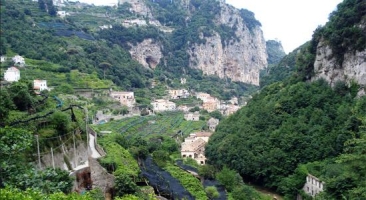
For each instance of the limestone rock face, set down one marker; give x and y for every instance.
(100, 177)
(140, 8)
(148, 53)
(240, 58)
(353, 67)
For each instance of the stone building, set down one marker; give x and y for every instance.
(161, 105)
(212, 123)
(178, 94)
(125, 98)
(313, 185)
(194, 146)
(12, 74)
(40, 85)
(192, 116)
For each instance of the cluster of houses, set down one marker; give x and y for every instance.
(209, 103)
(12, 74)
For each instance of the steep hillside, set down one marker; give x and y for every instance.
(275, 52)
(316, 115)
(339, 48)
(205, 41)
(210, 36)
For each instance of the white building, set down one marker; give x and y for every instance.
(161, 105)
(2, 58)
(125, 98)
(105, 27)
(194, 146)
(183, 81)
(62, 13)
(18, 60)
(178, 94)
(192, 116)
(12, 74)
(40, 85)
(313, 185)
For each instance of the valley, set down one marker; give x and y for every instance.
(178, 100)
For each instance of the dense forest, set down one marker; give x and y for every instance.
(294, 127)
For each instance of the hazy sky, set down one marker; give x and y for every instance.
(290, 21)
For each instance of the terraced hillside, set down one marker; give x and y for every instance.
(166, 124)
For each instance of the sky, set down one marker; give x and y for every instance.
(292, 22)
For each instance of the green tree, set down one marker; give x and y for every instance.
(6, 104)
(228, 178)
(207, 171)
(21, 96)
(212, 192)
(61, 121)
(244, 192)
(124, 185)
(216, 114)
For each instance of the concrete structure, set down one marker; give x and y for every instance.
(192, 116)
(313, 185)
(178, 94)
(105, 27)
(183, 108)
(125, 98)
(40, 85)
(212, 123)
(161, 105)
(230, 109)
(202, 96)
(183, 81)
(12, 74)
(2, 58)
(194, 146)
(62, 13)
(211, 104)
(194, 150)
(18, 60)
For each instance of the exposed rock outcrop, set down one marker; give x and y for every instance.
(353, 67)
(238, 54)
(240, 58)
(100, 177)
(148, 53)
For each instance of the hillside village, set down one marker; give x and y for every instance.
(117, 108)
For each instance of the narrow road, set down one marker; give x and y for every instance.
(94, 152)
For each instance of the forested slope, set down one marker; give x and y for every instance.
(294, 122)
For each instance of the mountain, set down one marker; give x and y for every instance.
(137, 42)
(275, 51)
(341, 46)
(309, 117)
(211, 36)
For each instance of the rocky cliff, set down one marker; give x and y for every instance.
(353, 67)
(239, 58)
(148, 53)
(237, 51)
(341, 46)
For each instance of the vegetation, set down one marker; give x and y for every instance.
(342, 31)
(284, 123)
